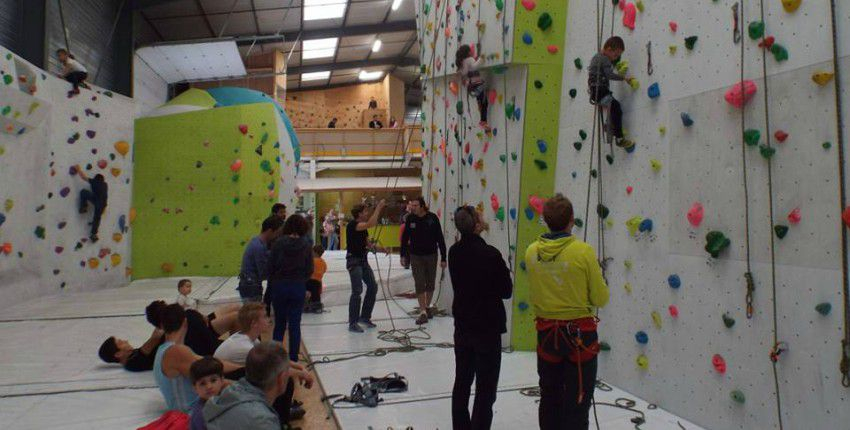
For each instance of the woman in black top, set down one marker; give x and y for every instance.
(290, 265)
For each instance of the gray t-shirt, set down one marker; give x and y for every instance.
(601, 71)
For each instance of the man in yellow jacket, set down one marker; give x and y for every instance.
(566, 286)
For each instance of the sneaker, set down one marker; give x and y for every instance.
(367, 323)
(296, 413)
(430, 312)
(354, 328)
(625, 143)
(423, 318)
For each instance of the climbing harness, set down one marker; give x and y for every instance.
(736, 29)
(392, 383)
(649, 68)
(777, 350)
(558, 333)
(361, 394)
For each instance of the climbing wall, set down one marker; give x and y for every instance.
(709, 176)
(205, 182)
(44, 245)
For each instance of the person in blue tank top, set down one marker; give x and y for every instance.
(173, 360)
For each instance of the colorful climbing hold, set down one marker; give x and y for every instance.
(641, 337)
(526, 38)
(695, 214)
(674, 311)
(791, 6)
(642, 362)
(716, 242)
(541, 145)
(794, 216)
(674, 281)
(823, 78)
(529, 5)
(122, 147)
(115, 259)
(536, 203)
(653, 91)
(673, 26)
(656, 319)
(645, 226)
(236, 165)
(719, 363)
(824, 308)
(655, 164)
(629, 15)
(741, 93)
(94, 263)
(728, 321)
(553, 49)
(243, 128)
(781, 136)
(690, 42)
(687, 121)
(780, 53)
(738, 396)
(767, 151)
(752, 137)
(780, 230)
(756, 30)
(629, 190)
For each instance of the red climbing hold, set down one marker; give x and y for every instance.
(695, 214)
(236, 165)
(6, 248)
(529, 5)
(553, 49)
(794, 217)
(101, 164)
(243, 128)
(741, 93)
(629, 15)
(536, 203)
(845, 216)
(719, 363)
(491, 96)
(674, 26)
(767, 43)
(674, 311)
(629, 190)
(780, 136)
(494, 202)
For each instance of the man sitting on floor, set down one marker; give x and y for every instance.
(247, 404)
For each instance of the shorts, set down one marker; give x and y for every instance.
(424, 272)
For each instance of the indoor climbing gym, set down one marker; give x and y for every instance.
(424, 214)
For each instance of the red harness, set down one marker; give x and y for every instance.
(571, 338)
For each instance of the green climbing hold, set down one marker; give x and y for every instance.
(823, 308)
(266, 166)
(538, 84)
(236, 200)
(39, 232)
(582, 134)
(602, 211)
(509, 110)
(604, 346)
(728, 321)
(579, 223)
(264, 138)
(7, 79)
(716, 242)
(780, 53)
(573, 93)
(578, 63)
(426, 8)
(756, 30)
(513, 156)
(752, 137)
(6, 110)
(628, 264)
(500, 214)
(826, 145)
(593, 173)
(459, 107)
(235, 178)
(767, 151)
(500, 5)
(503, 158)
(215, 220)
(422, 69)
(541, 164)
(738, 396)
(780, 230)
(577, 146)
(690, 42)
(544, 21)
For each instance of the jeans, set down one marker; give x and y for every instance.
(559, 407)
(76, 78)
(360, 273)
(332, 242)
(250, 291)
(86, 197)
(283, 403)
(480, 92)
(287, 298)
(477, 357)
(615, 111)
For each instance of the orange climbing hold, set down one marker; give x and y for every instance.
(94, 263)
(122, 147)
(167, 267)
(116, 172)
(132, 214)
(845, 216)
(6, 248)
(453, 87)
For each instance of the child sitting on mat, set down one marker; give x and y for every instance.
(184, 288)
(467, 68)
(208, 381)
(314, 284)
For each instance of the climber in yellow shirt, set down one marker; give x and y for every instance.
(565, 287)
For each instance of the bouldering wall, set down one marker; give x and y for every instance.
(315, 109)
(44, 240)
(712, 194)
(206, 181)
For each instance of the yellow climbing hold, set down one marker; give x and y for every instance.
(132, 215)
(823, 78)
(662, 130)
(628, 264)
(609, 223)
(116, 237)
(673, 49)
(115, 259)
(628, 287)
(115, 172)
(122, 147)
(622, 67)
(632, 224)
(656, 165)
(791, 6)
(656, 319)
(94, 262)
(634, 83)
(642, 362)
(435, 195)
(9, 204)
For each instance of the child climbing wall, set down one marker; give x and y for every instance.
(44, 240)
(731, 175)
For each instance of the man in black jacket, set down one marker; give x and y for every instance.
(420, 239)
(481, 280)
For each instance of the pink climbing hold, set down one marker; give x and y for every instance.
(529, 5)
(695, 214)
(741, 93)
(553, 49)
(536, 203)
(674, 311)
(101, 164)
(794, 217)
(719, 363)
(629, 190)
(674, 26)
(236, 165)
(781, 136)
(494, 202)
(491, 96)
(629, 15)
(449, 158)
(243, 128)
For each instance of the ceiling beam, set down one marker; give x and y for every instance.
(354, 30)
(150, 24)
(142, 4)
(206, 18)
(344, 21)
(397, 61)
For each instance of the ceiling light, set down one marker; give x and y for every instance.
(323, 9)
(319, 48)
(315, 76)
(370, 76)
(396, 4)
(376, 46)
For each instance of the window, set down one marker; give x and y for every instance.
(370, 76)
(323, 9)
(319, 48)
(315, 76)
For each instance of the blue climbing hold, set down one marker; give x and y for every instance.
(687, 121)
(469, 159)
(2, 219)
(674, 281)
(641, 337)
(529, 212)
(541, 145)
(653, 91)
(645, 226)
(523, 306)
(522, 265)
(526, 38)
(122, 223)
(517, 113)
(513, 213)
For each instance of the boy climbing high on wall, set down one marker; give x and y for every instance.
(601, 72)
(97, 196)
(467, 68)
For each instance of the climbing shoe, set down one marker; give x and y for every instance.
(423, 318)
(354, 328)
(625, 143)
(431, 311)
(367, 323)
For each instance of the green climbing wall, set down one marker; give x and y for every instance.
(194, 210)
(544, 56)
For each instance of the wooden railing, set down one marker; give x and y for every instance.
(360, 142)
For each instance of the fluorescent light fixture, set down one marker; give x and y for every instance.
(370, 76)
(396, 4)
(315, 76)
(319, 48)
(377, 45)
(323, 9)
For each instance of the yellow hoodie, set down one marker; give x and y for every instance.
(565, 280)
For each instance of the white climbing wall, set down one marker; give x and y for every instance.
(703, 164)
(43, 241)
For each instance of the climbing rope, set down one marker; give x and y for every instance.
(748, 275)
(770, 211)
(844, 365)
(503, 30)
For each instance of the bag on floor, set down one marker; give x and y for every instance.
(171, 420)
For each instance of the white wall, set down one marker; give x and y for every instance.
(704, 163)
(149, 89)
(34, 175)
